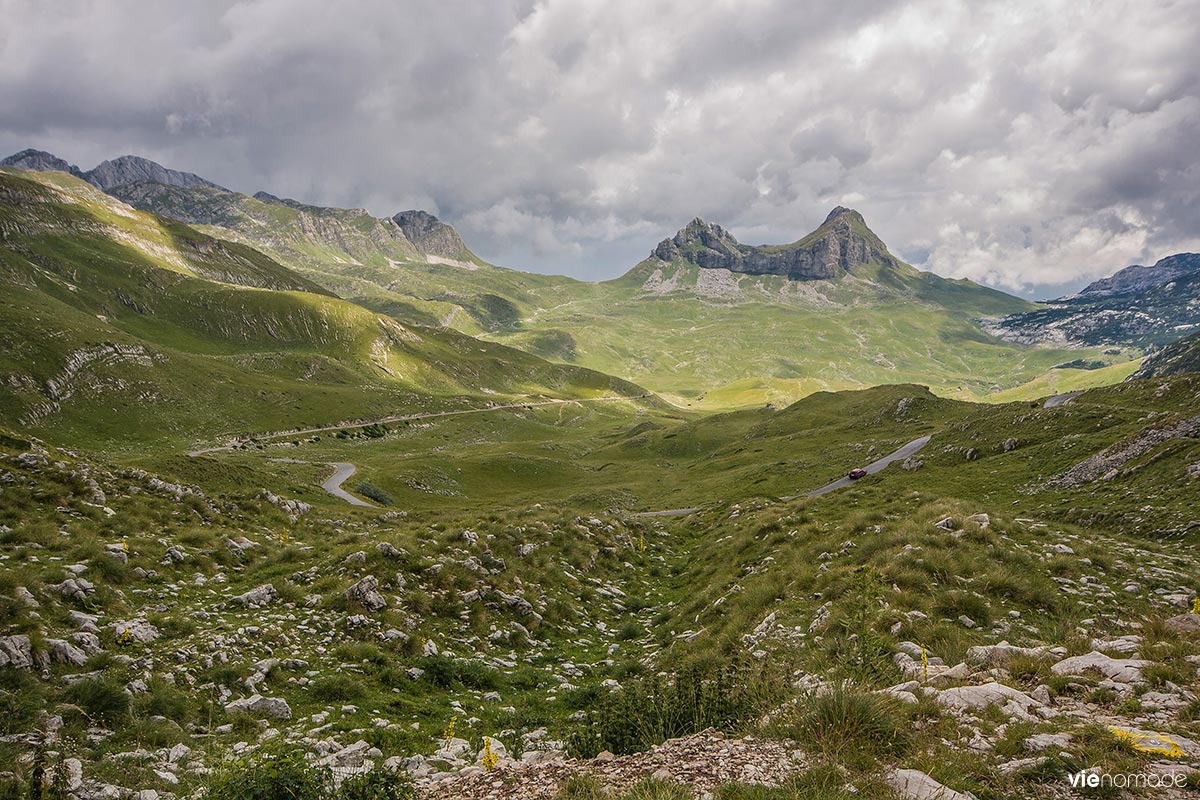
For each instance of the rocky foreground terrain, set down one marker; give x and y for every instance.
(156, 634)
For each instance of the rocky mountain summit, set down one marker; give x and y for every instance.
(433, 236)
(40, 161)
(133, 169)
(841, 243)
(308, 236)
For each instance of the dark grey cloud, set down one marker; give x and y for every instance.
(1031, 145)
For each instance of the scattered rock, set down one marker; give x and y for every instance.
(275, 707)
(257, 597)
(1184, 623)
(1121, 670)
(366, 593)
(912, 784)
(16, 652)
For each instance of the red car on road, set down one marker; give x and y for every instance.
(855, 474)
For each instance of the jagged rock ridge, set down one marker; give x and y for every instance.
(841, 243)
(110, 174)
(187, 197)
(432, 235)
(1174, 359)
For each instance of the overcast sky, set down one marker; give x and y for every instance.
(1029, 145)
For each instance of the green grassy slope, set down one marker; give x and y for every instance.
(742, 605)
(361, 258)
(127, 329)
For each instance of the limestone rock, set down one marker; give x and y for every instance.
(1121, 670)
(257, 597)
(16, 652)
(366, 593)
(275, 707)
(1184, 623)
(912, 784)
(1012, 701)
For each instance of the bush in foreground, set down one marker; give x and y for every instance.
(287, 774)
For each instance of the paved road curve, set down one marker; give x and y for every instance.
(904, 452)
(333, 484)
(342, 470)
(872, 468)
(1057, 400)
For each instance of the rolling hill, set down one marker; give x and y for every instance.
(128, 329)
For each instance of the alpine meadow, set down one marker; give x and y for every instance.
(304, 496)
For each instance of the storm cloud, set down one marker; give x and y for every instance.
(1029, 145)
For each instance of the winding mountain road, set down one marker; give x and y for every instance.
(342, 470)
(875, 466)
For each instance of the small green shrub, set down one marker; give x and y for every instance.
(658, 790)
(102, 699)
(630, 630)
(336, 689)
(849, 724)
(652, 709)
(379, 784)
(271, 775)
(581, 787)
(370, 490)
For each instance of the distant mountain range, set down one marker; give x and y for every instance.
(1143, 307)
(705, 319)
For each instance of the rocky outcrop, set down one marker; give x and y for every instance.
(275, 707)
(433, 236)
(1174, 359)
(841, 243)
(1145, 307)
(912, 784)
(16, 652)
(1108, 462)
(366, 593)
(1120, 670)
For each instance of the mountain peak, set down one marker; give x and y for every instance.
(135, 169)
(39, 160)
(842, 242)
(841, 211)
(433, 236)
